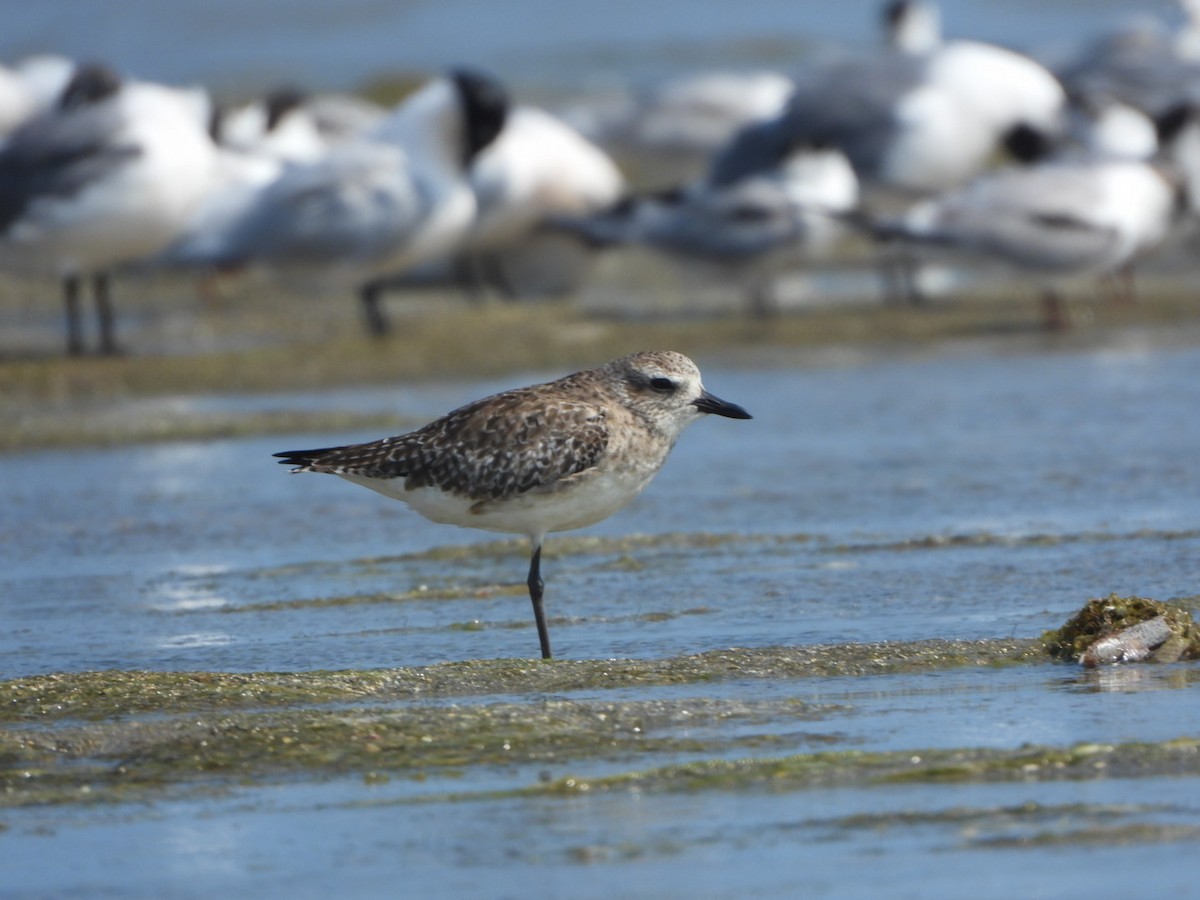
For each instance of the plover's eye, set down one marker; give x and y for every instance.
(663, 385)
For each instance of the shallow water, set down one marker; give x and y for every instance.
(970, 493)
(238, 48)
(974, 493)
(952, 497)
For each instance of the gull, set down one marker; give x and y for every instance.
(278, 126)
(16, 104)
(1107, 128)
(1073, 215)
(537, 170)
(376, 206)
(31, 87)
(1145, 63)
(912, 26)
(670, 131)
(1062, 216)
(292, 125)
(536, 460)
(238, 181)
(106, 178)
(915, 122)
(751, 229)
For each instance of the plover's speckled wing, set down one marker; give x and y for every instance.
(518, 441)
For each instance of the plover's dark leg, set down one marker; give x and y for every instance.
(71, 306)
(535, 594)
(104, 314)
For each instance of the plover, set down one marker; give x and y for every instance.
(535, 460)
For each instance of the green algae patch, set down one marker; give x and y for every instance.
(117, 758)
(1028, 824)
(989, 539)
(423, 593)
(858, 768)
(568, 545)
(102, 695)
(1102, 618)
(1121, 835)
(115, 427)
(99, 695)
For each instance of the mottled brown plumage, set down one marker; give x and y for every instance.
(491, 449)
(538, 459)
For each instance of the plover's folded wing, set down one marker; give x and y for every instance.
(493, 449)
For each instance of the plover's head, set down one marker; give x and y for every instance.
(664, 387)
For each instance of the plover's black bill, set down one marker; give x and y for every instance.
(707, 403)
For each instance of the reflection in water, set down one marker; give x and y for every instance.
(203, 849)
(196, 639)
(188, 588)
(1127, 679)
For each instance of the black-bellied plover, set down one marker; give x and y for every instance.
(534, 460)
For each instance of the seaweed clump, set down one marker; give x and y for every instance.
(1125, 629)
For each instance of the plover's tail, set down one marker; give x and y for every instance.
(302, 459)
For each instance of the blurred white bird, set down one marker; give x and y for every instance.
(379, 205)
(294, 126)
(1103, 127)
(914, 121)
(1147, 63)
(277, 126)
(238, 181)
(31, 87)
(1068, 216)
(667, 133)
(108, 177)
(254, 145)
(16, 103)
(912, 26)
(538, 169)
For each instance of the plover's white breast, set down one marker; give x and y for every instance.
(572, 502)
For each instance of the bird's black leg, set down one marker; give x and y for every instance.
(493, 270)
(469, 276)
(535, 594)
(1055, 316)
(71, 306)
(104, 314)
(762, 299)
(370, 294)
